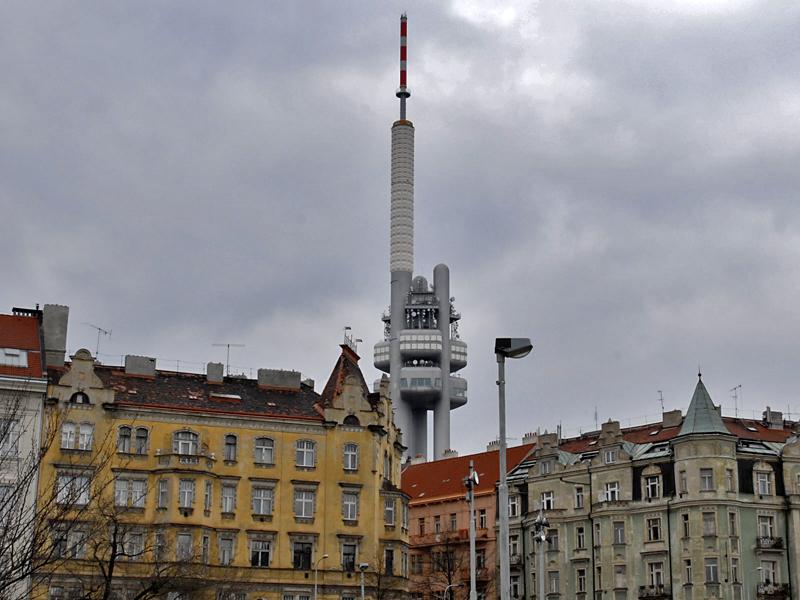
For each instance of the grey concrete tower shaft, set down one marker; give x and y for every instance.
(441, 412)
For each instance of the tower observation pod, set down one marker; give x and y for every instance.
(421, 350)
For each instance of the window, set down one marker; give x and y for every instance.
(515, 586)
(682, 484)
(304, 504)
(205, 549)
(230, 447)
(769, 571)
(687, 571)
(69, 542)
(652, 487)
(123, 440)
(133, 545)
(480, 559)
(482, 518)
(183, 546)
(265, 451)
(709, 524)
(350, 506)
(388, 511)
(764, 483)
(388, 561)
(142, 436)
(580, 538)
(654, 529)
(706, 479)
(208, 496)
(437, 524)
(655, 574)
(513, 545)
(225, 550)
(548, 500)
(163, 493)
(610, 456)
(421, 523)
(620, 576)
(612, 491)
(597, 538)
(513, 506)
(186, 493)
(685, 524)
(263, 499)
(160, 546)
(733, 529)
(72, 488)
(552, 540)
(77, 437)
(416, 564)
(404, 509)
(85, 435)
(712, 570)
(130, 492)
(730, 483)
(13, 357)
(578, 497)
(305, 451)
(545, 467)
(185, 443)
(453, 522)
(553, 584)
(301, 556)
(349, 557)
(350, 456)
(9, 438)
(619, 532)
(580, 580)
(766, 526)
(228, 497)
(735, 570)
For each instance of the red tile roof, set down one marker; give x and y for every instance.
(21, 333)
(443, 479)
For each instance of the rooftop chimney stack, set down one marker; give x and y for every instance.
(55, 318)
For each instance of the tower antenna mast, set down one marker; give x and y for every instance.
(100, 331)
(228, 355)
(403, 92)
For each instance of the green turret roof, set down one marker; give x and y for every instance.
(702, 416)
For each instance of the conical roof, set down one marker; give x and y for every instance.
(702, 416)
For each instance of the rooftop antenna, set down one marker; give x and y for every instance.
(100, 331)
(661, 399)
(596, 426)
(403, 92)
(735, 390)
(228, 355)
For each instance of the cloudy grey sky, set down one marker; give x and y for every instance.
(617, 180)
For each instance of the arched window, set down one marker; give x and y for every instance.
(305, 451)
(185, 442)
(230, 447)
(79, 398)
(351, 420)
(351, 456)
(124, 439)
(141, 440)
(265, 451)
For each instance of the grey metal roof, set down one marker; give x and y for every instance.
(702, 416)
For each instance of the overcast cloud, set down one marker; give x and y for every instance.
(617, 180)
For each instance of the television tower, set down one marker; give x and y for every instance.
(421, 348)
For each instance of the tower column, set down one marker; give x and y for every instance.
(419, 425)
(441, 412)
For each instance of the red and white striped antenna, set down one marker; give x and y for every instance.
(403, 92)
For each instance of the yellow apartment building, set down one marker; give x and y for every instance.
(179, 485)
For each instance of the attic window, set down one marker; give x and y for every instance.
(79, 398)
(13, 357)
(653, 432)
(593, 443)
(226, 397)
(750, 428)
(351, 420)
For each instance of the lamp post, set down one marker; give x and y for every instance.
(447, 589)
(362, 567)
(470, 482)
(316, 566)
(505, 348)
(540, 525)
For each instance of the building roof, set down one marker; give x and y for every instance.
(444, 479)
(346, 365)
(192, 392)
(702, 416)
(22, 333)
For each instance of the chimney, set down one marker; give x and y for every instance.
(450, 453)
(671, 418)
(493, 445)
(214, 372)
(54, 328)
(308, 382)
(276, 378)
(530, 438)
(143, 366)
(773, 419)
(418, 459)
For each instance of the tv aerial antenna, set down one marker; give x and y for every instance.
(661, 399)
(100, 331)
(736, 391)
(228, 347)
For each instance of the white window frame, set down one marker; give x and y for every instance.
(304, 503)
(305, 453)
(350, 456)
(264, 451)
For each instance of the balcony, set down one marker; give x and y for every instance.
(768, 542)
(515, 559)
(654, 592)
(772, 591)
(421, 344)
(421, 386)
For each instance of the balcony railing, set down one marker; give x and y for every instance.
(772, 591)
(766, 542)
(654, 592)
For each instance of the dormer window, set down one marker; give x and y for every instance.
(764, 482)
(652, 487)
(545, 467)
(610, 456)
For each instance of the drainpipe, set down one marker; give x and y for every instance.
(669, 548)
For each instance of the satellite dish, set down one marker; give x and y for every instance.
(475, 477)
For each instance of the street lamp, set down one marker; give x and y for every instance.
(362, 567)
(505, 348)
(447, 589)
(470, 482)
(540, 525)
(316, 566)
